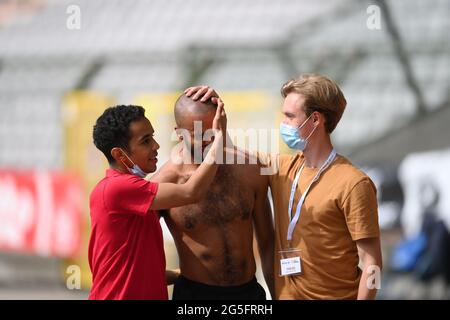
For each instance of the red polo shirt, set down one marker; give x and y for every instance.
(126, 252)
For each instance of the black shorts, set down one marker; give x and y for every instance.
(185, 289)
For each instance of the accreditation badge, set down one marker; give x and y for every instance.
(290, 262)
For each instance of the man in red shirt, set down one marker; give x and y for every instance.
(126, 253)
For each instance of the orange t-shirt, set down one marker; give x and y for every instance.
(340, 208)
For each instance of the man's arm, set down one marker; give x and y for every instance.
(369, 251)
(166, 174)
(171, 276)
(264, 232)
(172, 195)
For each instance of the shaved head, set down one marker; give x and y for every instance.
(187, 111)
(188, 114)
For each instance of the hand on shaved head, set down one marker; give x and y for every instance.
(193, 119)
(187, 111)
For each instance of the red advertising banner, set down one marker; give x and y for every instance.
(40, 212)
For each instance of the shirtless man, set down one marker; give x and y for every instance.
(214, 237)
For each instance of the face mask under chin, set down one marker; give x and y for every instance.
(135, 169)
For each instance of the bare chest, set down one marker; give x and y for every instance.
(229, 198)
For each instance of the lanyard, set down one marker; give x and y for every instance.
(293, 221)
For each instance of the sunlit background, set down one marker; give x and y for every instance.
(63, 62)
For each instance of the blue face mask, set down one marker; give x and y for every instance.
(291, 136)
(136, 170)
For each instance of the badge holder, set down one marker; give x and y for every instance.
(290, 262)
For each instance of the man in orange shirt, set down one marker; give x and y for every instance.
(326, 216)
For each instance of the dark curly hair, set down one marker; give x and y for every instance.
(112, 128)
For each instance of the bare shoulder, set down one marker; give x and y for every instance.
(248, 167)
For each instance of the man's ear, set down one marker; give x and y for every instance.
(318, 117)
(118, 155)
